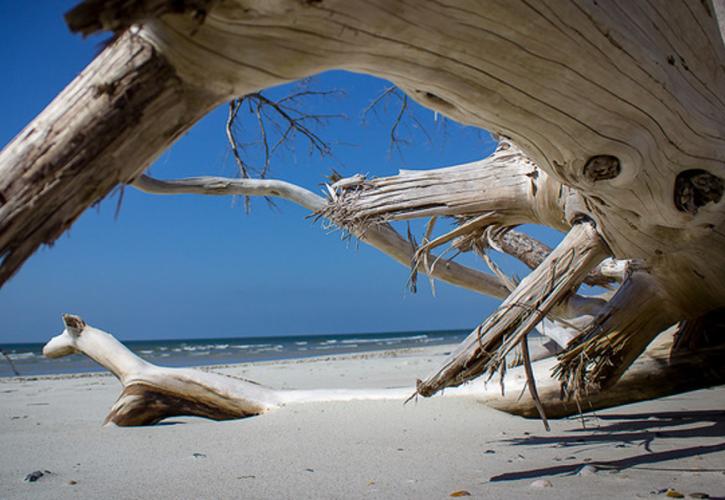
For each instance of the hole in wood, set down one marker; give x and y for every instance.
(696, 188)
(602, 167)
(435, 100)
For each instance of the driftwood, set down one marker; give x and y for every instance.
(486, 347)
(108, 125)
(152, 393)
(656, 373)
(612, 121)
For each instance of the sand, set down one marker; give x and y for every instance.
(376, 449)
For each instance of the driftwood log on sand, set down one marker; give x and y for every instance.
(152, 393)
(611, 114)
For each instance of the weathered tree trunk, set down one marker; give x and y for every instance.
(619, 103)
(152, 393)
(108, 125)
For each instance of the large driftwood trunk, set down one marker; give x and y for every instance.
(618, 104)
(108, 125)
(152, 393)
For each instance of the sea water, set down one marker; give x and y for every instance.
(29, 360)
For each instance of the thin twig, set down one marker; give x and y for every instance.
(10, 362)
(531, 382)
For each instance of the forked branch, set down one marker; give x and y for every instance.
(486, 347)
(381, 236)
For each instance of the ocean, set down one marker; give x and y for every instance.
(29, 360)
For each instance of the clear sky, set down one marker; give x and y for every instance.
(193, 266)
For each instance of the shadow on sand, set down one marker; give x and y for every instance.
(624, 430)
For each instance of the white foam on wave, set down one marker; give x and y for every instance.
(387, 340)
(21, 355)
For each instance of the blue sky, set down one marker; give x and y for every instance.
(192, 266)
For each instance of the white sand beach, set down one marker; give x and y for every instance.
(378, 449)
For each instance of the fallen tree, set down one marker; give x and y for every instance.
(612, 115)
(152, 393)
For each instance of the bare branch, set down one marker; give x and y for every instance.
(382, 236)
(485, 349)
(531, 382)
(529, 251)
(396, 139)
(277, 123)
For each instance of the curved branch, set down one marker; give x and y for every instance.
(222, 186)
(151, 393)
(383, 237)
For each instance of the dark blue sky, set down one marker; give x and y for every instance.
(192, 266)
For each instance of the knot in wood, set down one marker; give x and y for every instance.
(696, 188)
(74, 323)
(602, 167)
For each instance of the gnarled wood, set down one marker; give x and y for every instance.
(151, 393)
(619, 103)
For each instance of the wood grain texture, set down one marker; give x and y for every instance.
(641, 82)
(619, 104)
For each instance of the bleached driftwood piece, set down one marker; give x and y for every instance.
(620, 103)
(152, 393)
(656, 373)
(108, 125)
(382, 237)
(486, 347)
(379, 235)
